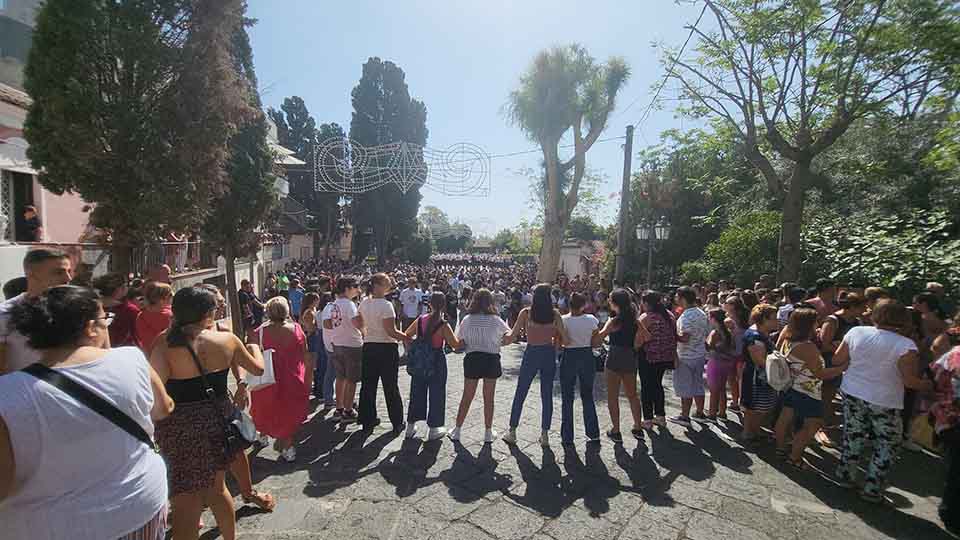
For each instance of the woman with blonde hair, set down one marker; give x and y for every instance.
(279, 409)
(156, 314)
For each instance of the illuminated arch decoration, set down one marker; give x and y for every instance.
(345, 166)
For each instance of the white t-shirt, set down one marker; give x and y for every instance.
(19, 353)
(693, 322)
(580, 328)
(374, 311)
(482, 333)
(78, 476)
(783, 314)
(345, 333)
(873, 375)
(410, 300)
(325, 316)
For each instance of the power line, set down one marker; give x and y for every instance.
(491, 156)
(663, 82)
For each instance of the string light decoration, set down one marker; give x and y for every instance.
(345, 166)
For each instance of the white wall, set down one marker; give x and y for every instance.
(11, 262)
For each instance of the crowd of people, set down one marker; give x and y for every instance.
(158, 365)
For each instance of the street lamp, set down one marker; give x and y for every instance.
(643, 230)
(663, 229)
(652, 231)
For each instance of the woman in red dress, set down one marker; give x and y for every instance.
(279, 409)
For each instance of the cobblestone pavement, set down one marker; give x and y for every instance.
(696, 484)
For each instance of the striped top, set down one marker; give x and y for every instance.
(482, 333)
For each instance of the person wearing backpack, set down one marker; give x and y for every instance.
(428, 390)
(756, 396)
(807, 373)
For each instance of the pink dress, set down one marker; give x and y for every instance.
(279, 409)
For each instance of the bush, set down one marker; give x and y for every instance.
(746, 249)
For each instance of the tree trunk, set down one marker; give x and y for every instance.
(553, 225)
(550, 254)
(329, 234)
(316, 243)
(231, 268)
(791, 224)
(120, 254)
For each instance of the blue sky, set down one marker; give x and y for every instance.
(462, 58)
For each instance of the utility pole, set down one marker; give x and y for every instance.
(624, 226)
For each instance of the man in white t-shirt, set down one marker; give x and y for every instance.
(692, 329)
(381, 357)
(410, 299)
(44, 268)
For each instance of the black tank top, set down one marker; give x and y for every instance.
(624, 337)
(844, 326)
(190, 390)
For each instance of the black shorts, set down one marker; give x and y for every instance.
(481, 365)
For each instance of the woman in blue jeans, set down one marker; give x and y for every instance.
(543, 326)
(428, 395)
(576, 363)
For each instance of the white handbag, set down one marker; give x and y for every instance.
(259, 382)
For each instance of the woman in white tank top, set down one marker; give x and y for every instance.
(65, 470)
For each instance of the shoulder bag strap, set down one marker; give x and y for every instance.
(208, 390)
(91, 400)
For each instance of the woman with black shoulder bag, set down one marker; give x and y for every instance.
(197, 440)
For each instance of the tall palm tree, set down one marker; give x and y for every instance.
(564, 89)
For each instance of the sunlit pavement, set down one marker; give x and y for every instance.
(696, 484)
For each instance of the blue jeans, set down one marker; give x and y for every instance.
(428, 396)
(579, 364)
(540, 359)
(329, 378)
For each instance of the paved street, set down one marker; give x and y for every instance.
(697, 485)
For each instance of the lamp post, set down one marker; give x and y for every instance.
(650, 231)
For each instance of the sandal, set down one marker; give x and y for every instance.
(264, 501)
(781, 453)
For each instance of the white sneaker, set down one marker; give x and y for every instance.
(436, 433)
(454, 434)
(509, 438)
(289, 455)
(411, 432)
(490, 435)
(912, 446)
(545, 439)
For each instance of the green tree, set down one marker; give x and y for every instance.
(583, 228)
(503, 240)
(744, 250)
(564, 90)
(238, 218)
(326, 204)
(133, 107)
(298, 131)
(383, 113)
(791, 77)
